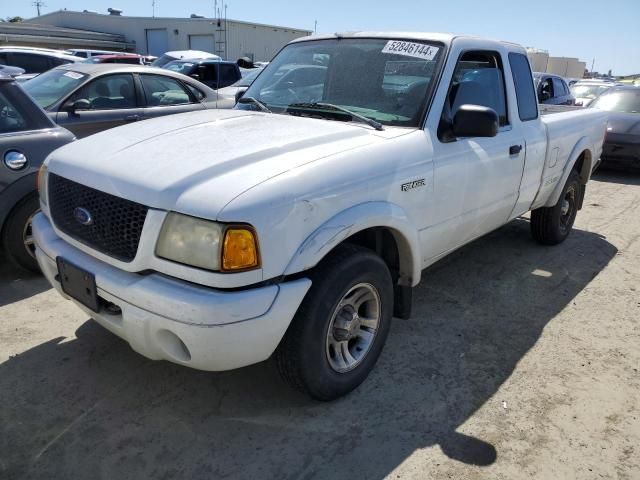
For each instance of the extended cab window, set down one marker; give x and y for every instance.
(109, 92)
(558, 87)
(164, 91)
(523, 82)
(478, 80)
(228, 75)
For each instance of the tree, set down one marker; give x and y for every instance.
(14, 19)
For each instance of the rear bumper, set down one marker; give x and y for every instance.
(621, 155)
(167, 319)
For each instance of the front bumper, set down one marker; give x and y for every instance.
(168, 319)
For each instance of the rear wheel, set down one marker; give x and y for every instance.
(339, 330)
(552, 225)
(17, 236)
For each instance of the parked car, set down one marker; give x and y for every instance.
(213, 73)
(34, 60)
(88, 53)
(586, 91)
(27, 136)
(128, 59)
(228, 96)
(182, 55)
(299, 222)
(88, 98)
(11, 71)
(622, 141)
(552, 89)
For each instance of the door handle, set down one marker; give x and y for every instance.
(132, 118)
(515, 149)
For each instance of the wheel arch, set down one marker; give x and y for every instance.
(581, 160)
(381, 226)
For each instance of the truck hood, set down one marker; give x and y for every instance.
(196, 163)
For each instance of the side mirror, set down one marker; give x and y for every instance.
(475, 121)
(240, 93)
(80, 104)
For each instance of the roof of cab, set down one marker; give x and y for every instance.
(445, 38)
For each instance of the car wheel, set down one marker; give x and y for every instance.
(17, 237)
(552, 225)
(339, 330)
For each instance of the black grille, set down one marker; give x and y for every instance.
(116, 223)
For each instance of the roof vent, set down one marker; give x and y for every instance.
(114, 11)
(89, 11)
(196, 15)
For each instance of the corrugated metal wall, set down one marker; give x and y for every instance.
(261, 42)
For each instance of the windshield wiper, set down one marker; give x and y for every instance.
(369, 121)
(256, 102)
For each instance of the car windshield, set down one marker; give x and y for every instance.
(588, 91)
(248, 78)
(383, 80)
(624, 101)
(47, 88)
(180, 66)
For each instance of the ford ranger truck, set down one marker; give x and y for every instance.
(296, 225)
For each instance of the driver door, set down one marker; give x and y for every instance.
(112, 102)
(477, 180)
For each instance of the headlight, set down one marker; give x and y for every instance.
(206, 244)
(42, 183)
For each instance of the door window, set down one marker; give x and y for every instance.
(164, 91)
(30, 62)
(546, 89)
(109, 92)
(10, 118)
(478, 80)
(228, 75)
(558, 87)
(523, 82)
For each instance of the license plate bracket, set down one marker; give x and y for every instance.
(78, 283)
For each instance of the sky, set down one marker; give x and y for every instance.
(607, 31)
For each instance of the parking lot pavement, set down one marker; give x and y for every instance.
(520, 361)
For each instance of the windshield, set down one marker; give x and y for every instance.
(625, 101)
(588, 91)
(384, 80)
(49, 87)
(180, 66)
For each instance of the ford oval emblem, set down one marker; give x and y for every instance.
(83, 216)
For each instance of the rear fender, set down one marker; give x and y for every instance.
(583, 146)
(353, 220)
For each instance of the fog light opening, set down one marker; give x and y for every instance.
(173, 346)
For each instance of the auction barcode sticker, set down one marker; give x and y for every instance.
(411, 49)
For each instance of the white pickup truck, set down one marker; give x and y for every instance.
(297, 224)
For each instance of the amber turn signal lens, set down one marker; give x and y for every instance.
(240, 250)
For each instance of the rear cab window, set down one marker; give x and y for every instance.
(523, 83)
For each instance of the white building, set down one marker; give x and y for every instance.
(231, 39)
(564, 66)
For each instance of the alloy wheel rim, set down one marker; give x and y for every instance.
(568, 208)
(353, 327)
(27, 236)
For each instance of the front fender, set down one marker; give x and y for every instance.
(585, 174)
(353, 220)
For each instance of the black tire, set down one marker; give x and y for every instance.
(552, 225)
(303, 354)
(14, 230)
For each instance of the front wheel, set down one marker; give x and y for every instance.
(552, 225)
(339, 330)
(17, 235)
